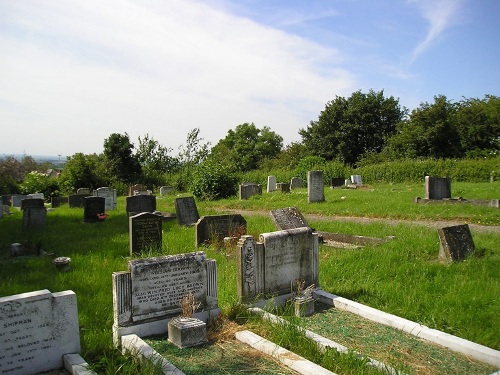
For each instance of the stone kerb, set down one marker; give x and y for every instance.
(186, 210)
(249, 189)
(437, 187)
(269, 267)
(315, 186)
(109, 196)
(145, 232)
(216, 227)
(37, 329)
(271, 183)
(140, 203)
(147, 296)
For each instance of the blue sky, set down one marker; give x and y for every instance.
(74, 72)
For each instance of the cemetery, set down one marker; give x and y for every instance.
(261, 282)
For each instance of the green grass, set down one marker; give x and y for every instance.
(401, 276)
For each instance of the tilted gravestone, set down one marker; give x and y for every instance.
(271, 183)
(147, 296)
(36, 330)
(110, 196)
(296, 183)
(437, 187)
(268, 268)
(92, 208)
(34, 218)
(288, 218)
(315, 186)
(140, 203)
(216, 227)
(186, 210)
(32, 202)
(58, 201)
(456, 243)
(76, 200)
(249, 189)
(145, 232)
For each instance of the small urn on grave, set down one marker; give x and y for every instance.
(185, 331)
(62, 263)
(303, 301)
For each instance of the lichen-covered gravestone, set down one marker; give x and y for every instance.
(187, 212)
(456, 243)
(315, 186)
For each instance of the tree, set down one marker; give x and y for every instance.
(348, 128)
(83, 171)
(155, 160)
(123, 165)
(246, 146)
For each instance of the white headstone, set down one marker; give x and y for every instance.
(271, 183)
(315, 186)
(109, 195)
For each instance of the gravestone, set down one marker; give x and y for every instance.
(83, 191)
(337, 182)
(137, 187)
(456, 243)
(76, 200)
(32, 202)
(108, 194)
(36, 330)
(315, 186)
(288, 218)
(145, 232)
(437, 187)
(1, 210)
(268, 268)
(36, 196)
(92, 207)
(271, 183)
(296, 183)
(283, 187)
(58, 201)
(140, 203)
(216, 227)
(165, 190)
(356, 180)
(249, 189)
(186, 210)
(147, 296)
(34, 218)
(16, 200)
(7, 200)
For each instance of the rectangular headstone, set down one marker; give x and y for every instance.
(93, 206)
(295, 183)
(356, 180)
(34, 218)
(137, 187)
(32, 202)
(36, 196)
(76, 200)
(36, 330)
(16, 200)
(271, 183)
(249, 189)
(58, 201)
(110, 196)
(315, 186)
(456, 243)
(216, 227)
(186, 210)
(83, 191)
(337, 182)
(288, 218)
(283, 187)
(145, 232)
(437, 187)
(165, 190)
(140, 203)
(147, 296)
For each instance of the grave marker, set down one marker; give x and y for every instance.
(83, 191)
(283, 187)
(271, 183)
(288, 218)
(337, 181)
(58, 201)
(249, 189)
(109, 195)
(165, 190)
(437, 187)
(34, 218)
(296, 183)
(137, 187)
(93, 206)
(32, 202)
(216, 227)
(76, 200)
(315, 186)
(456, 243)
(140, 203)
(145, 232)
(187, 212)
(36, 330)
(356, 180)
(16, 199)
(147, 296)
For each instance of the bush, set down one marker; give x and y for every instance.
(212, 181)
(36, 182)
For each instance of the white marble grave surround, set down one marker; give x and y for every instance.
(36, 330)
(148, 296)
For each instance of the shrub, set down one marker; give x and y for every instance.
(212, 181)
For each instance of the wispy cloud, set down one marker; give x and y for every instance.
(440, 14)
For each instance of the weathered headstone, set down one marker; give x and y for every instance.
(76, 200)
(16, 199)
(58, 201)
(145, 232)
(437, 187)
(271, 183)
(288, 218)
(83, 191)
(249, 189)
(186, 210)
(140, 203)
(296, 183)
(216, 227)
(36, 196)
(165, 190)
(269, 268)
(92, 207)
(34, 218)
(315, 186)
(36, 330)
(110, 196)
(137, 187)
(337, 182)
(32, 202)
(456, 243)
(356, 180)
(147, 296)
(283, 187)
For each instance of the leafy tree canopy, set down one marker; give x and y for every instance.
(82, 171)
(122, 164)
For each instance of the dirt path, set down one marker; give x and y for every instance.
(430, 223)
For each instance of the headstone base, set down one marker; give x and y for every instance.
(187, 332)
